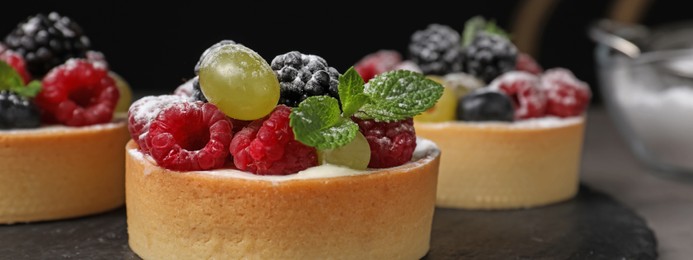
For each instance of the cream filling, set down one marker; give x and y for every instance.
(424, 152)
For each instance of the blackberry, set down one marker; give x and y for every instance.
(489, 56)
(301, 76)
(17, 111)
(47, 41)
(436, 50)
(196, 91)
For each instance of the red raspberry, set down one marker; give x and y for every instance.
(526, 63)
(17, 62)
(190, 137)
(143, 111)
(567, 96)
(376, 63)
(392, 144)
(267, 146)
(97, 57)
(78, 93)
(525, 91)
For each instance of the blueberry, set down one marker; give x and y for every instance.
(17, 112)
(485, 105)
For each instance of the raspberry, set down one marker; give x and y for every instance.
(97, 57)
(527, 64)
(525, 92)
(190, 137)
(301, 76)
(185, 90)
(47, 41)
(17, 62)
(567, 96)
(267, 147)
(392, 144)
(376, 63)
(78, 93)
(143, 111)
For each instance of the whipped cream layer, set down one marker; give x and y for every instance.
(533, 123)
(424, 152)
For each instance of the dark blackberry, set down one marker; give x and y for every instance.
(436, 50)
(489, 56)
(17, 111)
(302, 76)
(196, 91)
(47, 41)
(485, 105)
(207, 51)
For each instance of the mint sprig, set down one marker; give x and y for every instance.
(391, 96)
(12, 81)
(478, 24)
(317, 122)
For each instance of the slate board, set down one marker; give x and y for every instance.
(590, 226)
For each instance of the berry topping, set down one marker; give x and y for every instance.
(376, 63)
(525, 92)
(436, 49)
(47, 41)
(144, 111)
(267, 147)
(239, 82)
(444, 109)
(302, 76)
(17, 111)
(96, 57)
(527, 64)
(567, 96)
(392, 144)
(78, 93)
(488, 56)
(186, 89)
(17, 62)
(485, 105)
(190, 137)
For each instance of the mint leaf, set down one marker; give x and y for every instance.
(398, 95)
(351, 92)
(30, 90)
(317, 122)
(9, 78)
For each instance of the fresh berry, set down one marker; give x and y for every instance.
(78, 93)
(143, 111)
(392, 143)
(210, 50)
(185, 89)
(528, 64)
(267, 147)
(17, 111)
(302, 76)
(47, 41)
(525, 92)
(489, 56)
(376, 63)
(17, 62)
(485, 105)
(190, 136)
(96, 57)
(3, 47)
(239, 82)
(567, 96)
(436, 50)
(444, 109)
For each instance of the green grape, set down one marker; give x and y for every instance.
(125, 93)
(444, 109)
(355, 155)
(239, 82)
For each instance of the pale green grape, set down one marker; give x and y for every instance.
(355, 155)
(444, 110)
(239, 82)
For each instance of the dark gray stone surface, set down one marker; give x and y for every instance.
(591, 226)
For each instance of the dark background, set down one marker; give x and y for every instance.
(155, 47)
